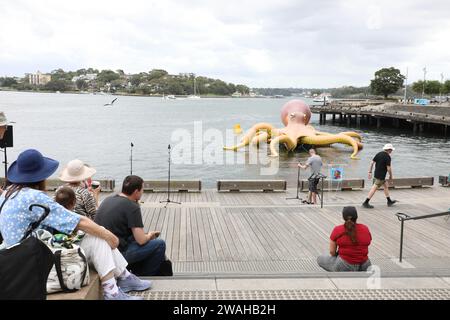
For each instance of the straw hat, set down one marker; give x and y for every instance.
(76, 171)
(388, 146)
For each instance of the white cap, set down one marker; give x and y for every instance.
(3, 120)
(388, 146)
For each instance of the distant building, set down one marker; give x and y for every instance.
(88, 77)
(39, 78)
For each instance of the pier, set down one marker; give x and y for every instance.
(258, 245)
(419, 119)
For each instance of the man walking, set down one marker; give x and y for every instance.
(315, 162)
(121, 214)
(382, 162)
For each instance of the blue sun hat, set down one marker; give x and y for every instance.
(31, 166)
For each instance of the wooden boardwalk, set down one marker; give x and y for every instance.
(263, 233)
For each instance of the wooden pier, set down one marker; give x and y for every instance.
(418, 119)
(257, 233)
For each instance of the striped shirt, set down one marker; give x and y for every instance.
(86, 204)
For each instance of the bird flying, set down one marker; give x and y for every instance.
(110, 104)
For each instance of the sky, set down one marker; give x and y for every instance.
(270, 43)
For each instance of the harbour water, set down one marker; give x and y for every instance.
(68, 126)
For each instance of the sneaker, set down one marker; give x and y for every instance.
(391, 203)
(367, 205)
(121, 296)
(133, 283)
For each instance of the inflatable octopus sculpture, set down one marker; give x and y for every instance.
(295, 115)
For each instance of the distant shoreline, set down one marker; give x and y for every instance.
(99, 93)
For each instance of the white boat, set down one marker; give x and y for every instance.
(169, 97)
(193, 96)
(322, 98)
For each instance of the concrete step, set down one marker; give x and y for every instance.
(298, 288)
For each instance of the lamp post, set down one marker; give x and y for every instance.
(406, 85)
(441, 87)
(423, 87)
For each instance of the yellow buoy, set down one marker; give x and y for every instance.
(237, 129)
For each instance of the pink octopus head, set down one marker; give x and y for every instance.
(296, 109)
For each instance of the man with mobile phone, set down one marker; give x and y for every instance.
(121, 214)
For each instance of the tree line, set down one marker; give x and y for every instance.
(387, 81)
(154, 82)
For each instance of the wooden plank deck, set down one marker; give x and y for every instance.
(241, 233)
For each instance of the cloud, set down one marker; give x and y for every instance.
(272, 43)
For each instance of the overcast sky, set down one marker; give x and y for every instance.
(270, 43)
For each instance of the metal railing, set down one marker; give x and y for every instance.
(402, 217)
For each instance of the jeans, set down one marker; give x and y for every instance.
(336, 264)
(145, 260)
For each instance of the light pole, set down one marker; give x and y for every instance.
(406, 85)
(424, 74)
(440, 89)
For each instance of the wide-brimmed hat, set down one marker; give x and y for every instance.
(3, 120)
(349, 212)
(76, 171)
(31, 166)
(388, 146)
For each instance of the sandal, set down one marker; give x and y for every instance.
(306, 202)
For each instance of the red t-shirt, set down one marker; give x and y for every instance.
(353, 253)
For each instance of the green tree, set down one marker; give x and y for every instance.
(81, 84)
(156, 74)
(433, 87)
(58, 85)
(106, 76)
(387, 81)
(243, 89)
(417, 86)
(446, 86)
(7, 82)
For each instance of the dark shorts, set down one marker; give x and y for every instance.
(379, 182)
(312, 184)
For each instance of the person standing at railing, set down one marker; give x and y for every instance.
(382, 162)
(349, 245)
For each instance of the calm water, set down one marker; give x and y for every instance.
(67, 126)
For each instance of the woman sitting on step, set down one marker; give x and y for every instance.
(349, 245)
(75, 174)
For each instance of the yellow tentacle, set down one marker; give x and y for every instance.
(250, 134)
(329, 139)
(290, 144)
(347, 133)
(261, 137)
(353, 135)
(320, 133)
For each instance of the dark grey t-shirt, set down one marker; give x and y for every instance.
(118, 215)
(315, 162)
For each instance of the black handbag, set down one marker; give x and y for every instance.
(24, 267)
